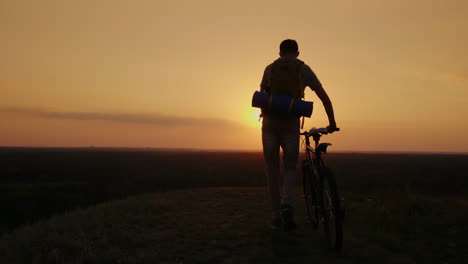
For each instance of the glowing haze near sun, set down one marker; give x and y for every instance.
(180, 74)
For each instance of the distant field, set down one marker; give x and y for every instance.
(39, 183)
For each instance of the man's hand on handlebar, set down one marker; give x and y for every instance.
(332, 128)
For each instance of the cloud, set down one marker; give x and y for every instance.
(135, 118)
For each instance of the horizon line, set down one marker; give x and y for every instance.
(230, 150)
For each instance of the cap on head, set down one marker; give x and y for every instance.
(289, 46)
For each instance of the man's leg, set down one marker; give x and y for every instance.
(289, 141)
(271, 147)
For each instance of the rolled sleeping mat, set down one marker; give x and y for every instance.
(303, 108)
(282, 104)
(260, 99)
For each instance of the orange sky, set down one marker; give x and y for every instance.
(182, 73)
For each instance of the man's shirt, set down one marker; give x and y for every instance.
(308, 76)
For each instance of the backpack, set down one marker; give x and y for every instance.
(286, 78)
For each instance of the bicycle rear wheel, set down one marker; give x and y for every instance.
(309, 193)
(331, 209)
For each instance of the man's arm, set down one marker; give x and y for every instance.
(328, 107)
(313, 82)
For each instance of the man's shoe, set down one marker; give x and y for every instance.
(287, 215)
(276, 224)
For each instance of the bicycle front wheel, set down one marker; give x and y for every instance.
(331, 209)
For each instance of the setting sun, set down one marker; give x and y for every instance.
(253, 117)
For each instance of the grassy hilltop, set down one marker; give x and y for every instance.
(229, 225)
(399, 209)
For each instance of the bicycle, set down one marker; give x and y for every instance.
(321, 191)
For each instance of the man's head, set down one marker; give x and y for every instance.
(289, 49)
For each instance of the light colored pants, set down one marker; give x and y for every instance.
(284, 133)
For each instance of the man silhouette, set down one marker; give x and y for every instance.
(282, 130)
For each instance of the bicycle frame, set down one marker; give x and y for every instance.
(320, 189)
(313, 158)
(314, 153)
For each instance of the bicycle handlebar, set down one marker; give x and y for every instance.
(322, 130)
